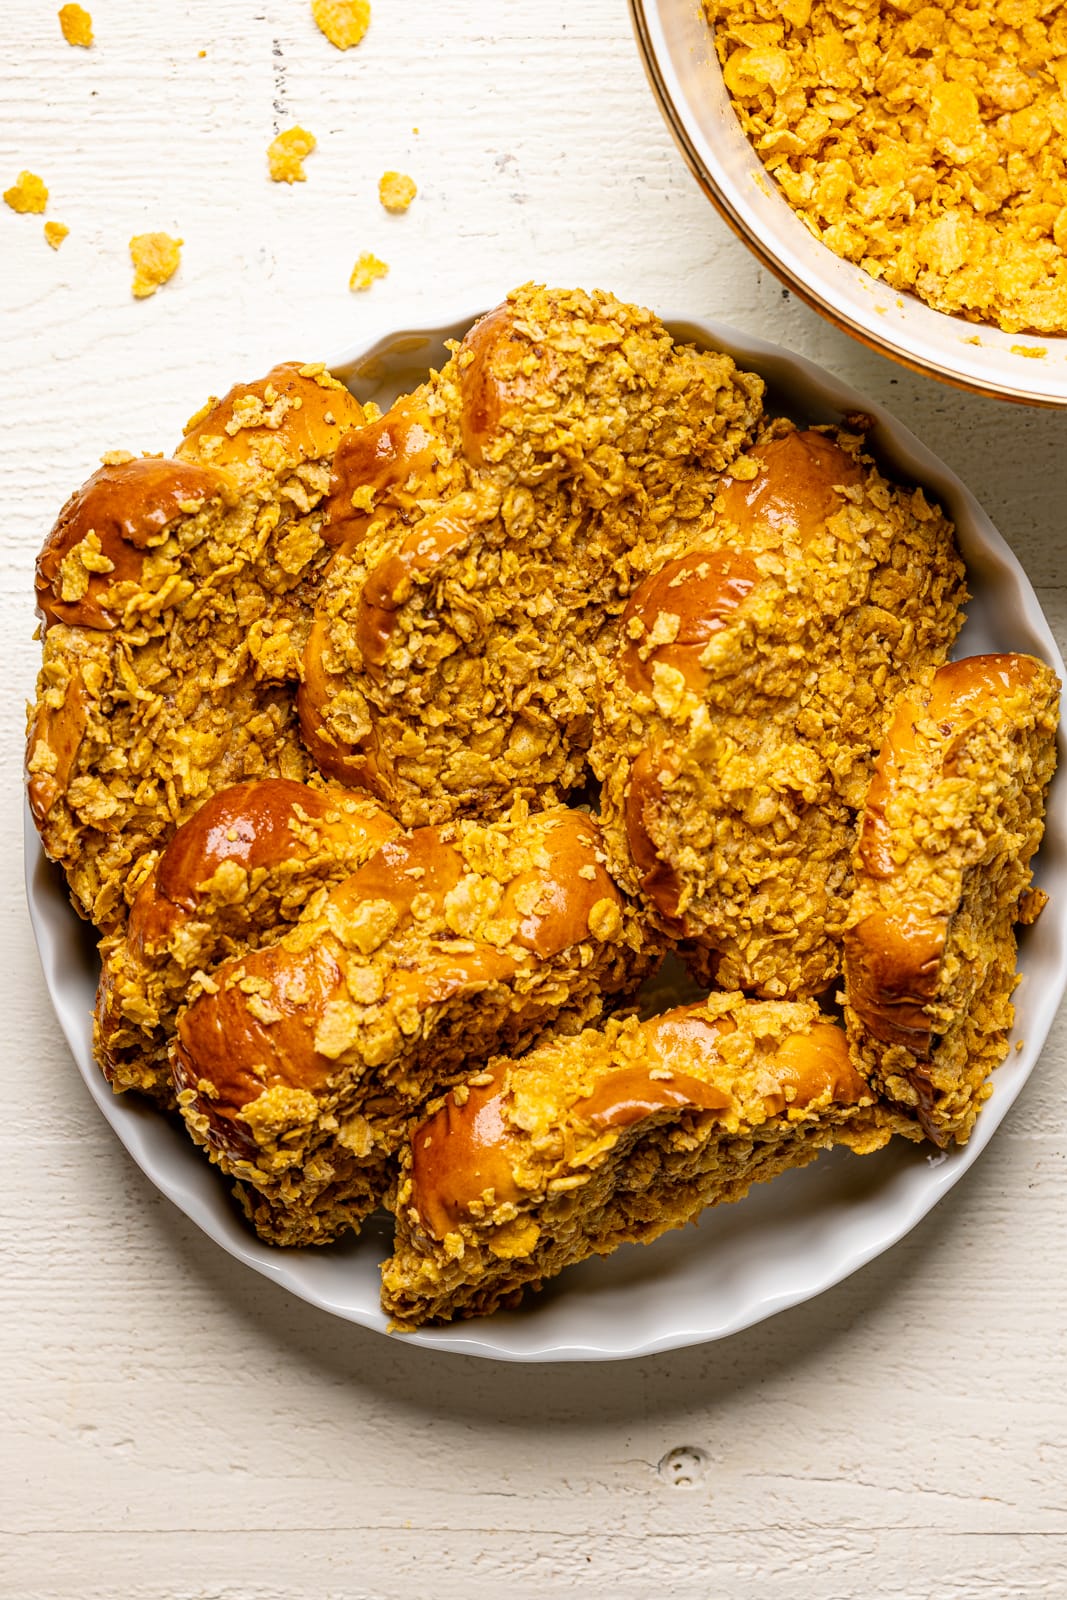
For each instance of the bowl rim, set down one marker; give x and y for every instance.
(868, 336)
(57, 931)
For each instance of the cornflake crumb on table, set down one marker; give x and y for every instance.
(156, 258)
(396, 190)
(344, 22)
(367, 268)
(28, 194)
(287, 154)
(55, 233)
(77, 25)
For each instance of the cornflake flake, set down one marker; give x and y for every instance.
(396, 190)
(77, 25)
(156, 258)
(366, 270)
(343, 22)
(287, 153)
(927, 145)
(28, 194)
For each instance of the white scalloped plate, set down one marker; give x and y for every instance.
(790, 1239)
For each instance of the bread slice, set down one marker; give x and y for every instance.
(490, 527)
(235, 875)
(954, 815)
(301, 1065)
(612, 1137)
(739, 726)
(174, 596)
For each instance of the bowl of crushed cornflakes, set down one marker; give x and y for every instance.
(902, 167)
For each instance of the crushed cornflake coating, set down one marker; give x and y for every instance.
(366, 270)
(344, 22)
(77, 25)
(156, 258)
(28, 194)
(927, 145)
(396, 190)
(287, 154)
(55, 233)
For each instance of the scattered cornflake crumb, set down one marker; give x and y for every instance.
(55, 233)
(287, 155)
(77, 25)
(201, 54)
(28, 194)
(156, 257)
(344, 22)
(396, 190)
(366, 269)
(1034, 352)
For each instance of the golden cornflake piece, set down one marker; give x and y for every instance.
(28, 194)
(396, 190)
(366, 269)
(77, 25)
(156, 257)
(55, 233)
(287, 154)
(927, 144)
(344, 22)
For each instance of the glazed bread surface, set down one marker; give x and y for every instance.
(173, 597)
(953, 818)
(301, 1063)
(613, 1137)
(315, 695)
(235, 874)
(744, 709)
(489, 529)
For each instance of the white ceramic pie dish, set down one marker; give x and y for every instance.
(679, 56)
(790, 1239)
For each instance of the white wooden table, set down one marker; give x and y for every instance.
(174, 1428)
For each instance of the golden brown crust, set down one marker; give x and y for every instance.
(739, 723)
(177, 597)
(376, 461)
(241, 869)
(114, 518)
(500, 375)
(703, 590)
(301, 1064)
(57, 727)
(490, 528)
(297, 414)
(613, 1136)
(954, 814)
(795, 491)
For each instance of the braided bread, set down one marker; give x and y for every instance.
(300, 1064)
(174, 594)
(240, 869)
(613, 1137)
(488, 531)
(314, 692)
(739, 725)
(954, 815)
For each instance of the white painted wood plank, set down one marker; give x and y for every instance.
(174, 1427)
